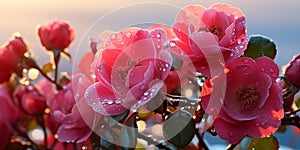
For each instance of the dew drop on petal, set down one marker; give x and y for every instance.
(167, 65)
(158, 35)
(118, 101)
(164, 69)
(113, 36)
(146, 93)
(172, 44)
(128, 35)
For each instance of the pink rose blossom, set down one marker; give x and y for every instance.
(253, 101)
(70, 112)
(203, 33)
(9, 115)
(292, 71)
(10, 54)
(130, 70)
(56, 35)
(30, 99)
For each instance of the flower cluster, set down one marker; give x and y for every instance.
(160, 86)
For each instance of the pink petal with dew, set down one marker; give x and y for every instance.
(181, 30)
(80, 116)
(80, 82)
(191, 15)
(228, 9)
(270, 115)
(159, 38)
(268, 66)
(232, 103)
(103, 100)
(122, 39)
(73, 134)
(234, 133)
(148, 95)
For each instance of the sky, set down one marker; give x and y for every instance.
(274, 19)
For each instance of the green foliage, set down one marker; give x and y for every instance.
(259, 46)
(179, 128)
(267, 143)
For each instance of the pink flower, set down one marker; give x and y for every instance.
(130, 70)
(9, 115)
(203, 33)
(252, 104)
(17, 45)
(293, 70)
(10, 55)
(30, 99)
(56, 35)
(69, 113)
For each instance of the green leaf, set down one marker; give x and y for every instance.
(177, 63)
(48, 67)
(179, 128)
(107, 136)
(128, 135)
(112, 120)
(259, 46)
(267, 143)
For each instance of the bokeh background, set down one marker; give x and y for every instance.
(278, 20)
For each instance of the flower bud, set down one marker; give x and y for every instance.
(56, 35)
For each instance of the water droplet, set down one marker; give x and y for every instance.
(172, 44)
(159, 68)
(128, 34)
(242, 46)
(109, 102)
(239, 41)
(131, 74)
(122, 43)
(118, 101)
(158, 46)
(113, 36)
(164, 69)
(158, 35)
(145, 98)
(152, 90)
(146, 93)
(167, 65)
(231, 55)
(246, 61)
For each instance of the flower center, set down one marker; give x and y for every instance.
(248, 97)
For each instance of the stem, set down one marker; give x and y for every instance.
(56, 57)
(45, 133)
(201, 142)
(58, 87)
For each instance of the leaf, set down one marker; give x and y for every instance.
(107, 136)
(179, 128)
(267, 143)
(176, 63)
(47, 67)
(259, 46)
(112, 120)
(128, 135)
